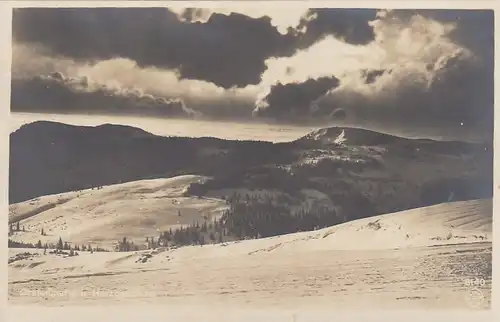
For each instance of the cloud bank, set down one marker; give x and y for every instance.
(59, 93)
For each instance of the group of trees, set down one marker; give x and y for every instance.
(126, 245)
(195, 234)
(60, 245)
(13, 228)
(17, 244)
(256, 218)
(247, 217)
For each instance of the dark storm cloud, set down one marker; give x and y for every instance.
(58, 93)
(228, 50)
(294, 100)
(351, 25)
(298, 100)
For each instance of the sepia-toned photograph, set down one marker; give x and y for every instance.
(251, 157)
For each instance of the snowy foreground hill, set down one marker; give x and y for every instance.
(420, 258)
(102, 217)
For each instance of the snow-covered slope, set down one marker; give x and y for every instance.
(104, 216)
(417, 258)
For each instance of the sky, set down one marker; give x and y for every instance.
(404, 68)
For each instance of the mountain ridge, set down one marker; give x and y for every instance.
(321, 132)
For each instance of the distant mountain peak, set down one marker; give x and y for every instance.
(349, 136)
(51, 128)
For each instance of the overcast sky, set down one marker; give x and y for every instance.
(430, 68)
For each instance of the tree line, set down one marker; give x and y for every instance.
(246, 218)
(60, 245)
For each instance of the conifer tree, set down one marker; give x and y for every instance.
(60, 244)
